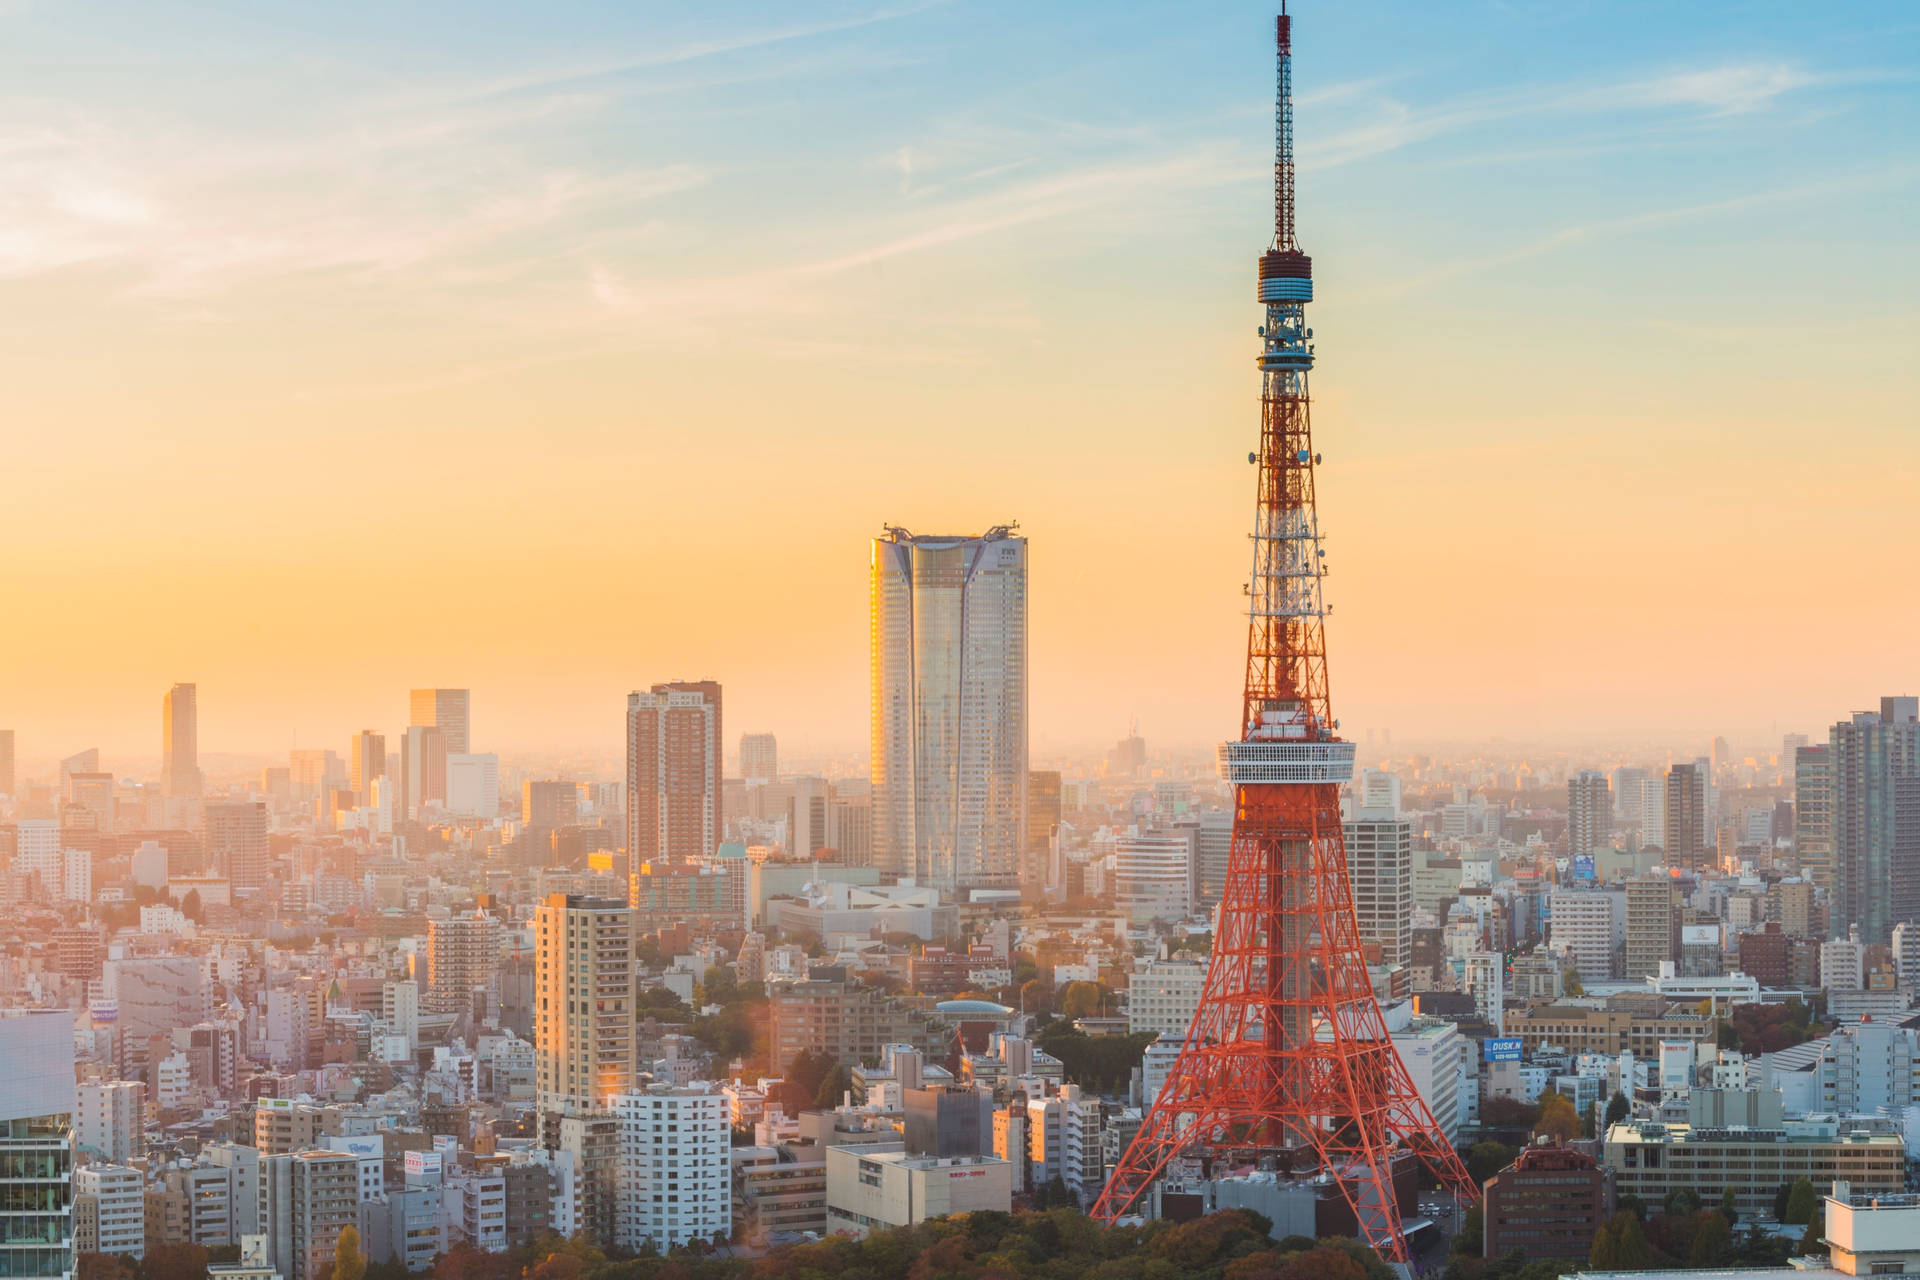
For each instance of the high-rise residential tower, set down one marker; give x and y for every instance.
(447, 710)
(180, 741)
(366, 760)
(1686, 826)
(1876, 820)
(237, 840)
(949, 706)
(1380, 866)
(759, 757)
(1813, 814)
(583, 997)
(463, 957)
(1589, 811)
(673, 773)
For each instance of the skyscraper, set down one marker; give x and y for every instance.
(759, 757)
(423, 770)
(1876, 820)
(447, 710)
(36, 1143)
(1589, 811)
(1813, 814)
(949, 706)
(6, 762)
(180, 741)
(673, 772)
(237, 841)
(583, 988)
(1653, 925)
(1686, 844)
(366, 760)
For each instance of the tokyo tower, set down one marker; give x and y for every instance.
(1289, 1060)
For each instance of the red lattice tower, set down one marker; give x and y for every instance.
(1288, 1055)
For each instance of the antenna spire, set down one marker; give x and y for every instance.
(1283, 135)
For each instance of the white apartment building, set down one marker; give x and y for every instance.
(1380, 869)
(675, 1183)
(1153, 874)
(1163, 996)
(1591, 928)
(1437, 1057)
(110, 1120)
(119, 1207)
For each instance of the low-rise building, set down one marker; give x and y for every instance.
(870, 1190)
(1549, 1202)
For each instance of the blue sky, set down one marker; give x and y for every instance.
(1616, 302)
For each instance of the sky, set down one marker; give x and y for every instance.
(554, 350)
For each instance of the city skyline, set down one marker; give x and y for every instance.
(551, 243)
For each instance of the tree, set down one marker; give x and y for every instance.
(1802, 1203)
(1729, 1205)
(833, 1088)
(190, 905)
(1488, 1158)
(102, 1266)
(1620, 1244)
(1472, 1238)
(348, 1262)
(1505, 1113)
(1571, 984)
(1712, 1241)
(174, 1262)
(1081, 999)
(1810, 1245)
(1618, 1108)
(1036, 996)
(1557, 1118)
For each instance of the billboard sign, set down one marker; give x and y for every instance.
(1583, 866)
(1502, 1050)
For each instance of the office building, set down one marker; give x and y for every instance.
(463, 963)
(1436, 1057)
(36, 1143)
(548, 804)
(110, 1210)
(710, 896)
(366, 760)
(1380, 868)
(1549, 1203)
(1153, 874)
(1876, 820)
(1652, 926)
(89, 801)
(1589, 812)
(1043, 820)
(152, 995)
(236, 841)
(1687, 825)
(473, 786)
(759, 758)
(949, 707)
(673, 773)
(807, 817)
(870, 1190)
(1652, 1160)
(584, 985)
(1163, 996)
(850, 824)
(180, 741)
(853, 1023)
(110, 1120)
(1638, 1025)
(423, 771)
(675, 1181)
(449, 711)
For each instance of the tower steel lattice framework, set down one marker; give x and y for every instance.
(1288, 1055)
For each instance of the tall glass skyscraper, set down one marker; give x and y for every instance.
(949, 732)
(36, 1143)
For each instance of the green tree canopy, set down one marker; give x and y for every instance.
(1802, 1202)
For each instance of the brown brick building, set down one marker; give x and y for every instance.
(1549, 1202)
